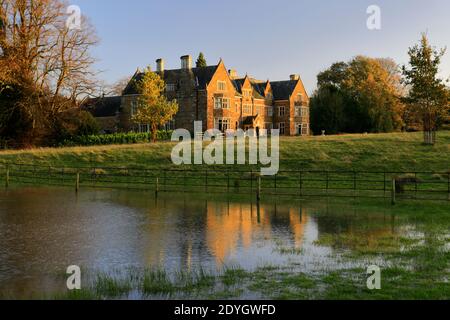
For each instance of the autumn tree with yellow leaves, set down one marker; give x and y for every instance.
(153, 107)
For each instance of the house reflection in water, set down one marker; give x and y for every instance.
(230, 227)
(188, 234)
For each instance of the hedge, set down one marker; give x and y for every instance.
(116, 138)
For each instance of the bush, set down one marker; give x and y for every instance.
(115, 138)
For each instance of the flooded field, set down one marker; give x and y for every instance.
(131, 245)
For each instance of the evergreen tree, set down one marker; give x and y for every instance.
(201, 61)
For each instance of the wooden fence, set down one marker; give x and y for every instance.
(293, 183)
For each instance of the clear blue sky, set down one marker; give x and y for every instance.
(264, 38)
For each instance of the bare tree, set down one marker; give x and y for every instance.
(48, 62)
(119, 86)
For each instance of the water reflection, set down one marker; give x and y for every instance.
(42, 231)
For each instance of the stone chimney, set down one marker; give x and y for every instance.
(186, 62)
(160, 65)
(294, 77)
(233, 74)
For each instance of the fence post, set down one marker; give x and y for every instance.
(448, 185)
(275, 179)
(301, 182)
(228, 180)
(165, 182)
(251, 181)
(77, 182)
(328, 182)
(415, 182)
(258, 192)
(7, 177)
(157, 187)
(393, 198)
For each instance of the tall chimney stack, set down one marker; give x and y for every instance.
(233, 74)
(160, 65)
(186, 62)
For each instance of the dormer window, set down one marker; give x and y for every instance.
(247, 93)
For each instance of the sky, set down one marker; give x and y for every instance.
(265, 39)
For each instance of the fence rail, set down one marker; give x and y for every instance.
(298, 183)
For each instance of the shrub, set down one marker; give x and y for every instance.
(115, 138)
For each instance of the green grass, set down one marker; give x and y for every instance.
(393, 152)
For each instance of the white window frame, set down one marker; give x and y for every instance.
(217, 103)
(221, 103)
(269, 111)
(224, 122)
(305, 129)
(170, 125)
(221, 85)
(282, 114)
(245, 109)
(134, 108)
(282, 128)
(171, 87)
(304, 112)
(226, 103)
(144, 128)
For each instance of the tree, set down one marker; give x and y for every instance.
(45, 66)
(119, 86)
(201, 61)
(327, 110)
(427, 96)
(153, 107)
(361, 95)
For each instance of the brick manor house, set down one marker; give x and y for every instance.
(216, 96)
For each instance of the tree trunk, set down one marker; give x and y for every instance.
(154, 133)
(429, 137)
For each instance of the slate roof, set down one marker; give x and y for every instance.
(282, 90)
(202, 76)
(103, 106)
(238, 83)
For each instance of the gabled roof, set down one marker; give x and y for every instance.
(103, 106)
(202, 76)
(239, 83)
(282, 90)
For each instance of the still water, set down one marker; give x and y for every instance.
(43, 231)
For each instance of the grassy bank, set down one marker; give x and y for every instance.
(392, 152)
